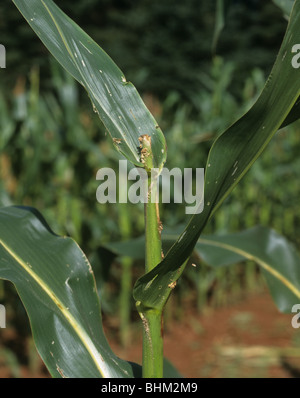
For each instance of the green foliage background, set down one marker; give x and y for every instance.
(162, 45)
(52, 144)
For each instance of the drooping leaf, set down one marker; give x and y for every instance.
(230, 157)
(133, 248)
(170, 372)
(56, 285)
(278, 258)
(117, 102)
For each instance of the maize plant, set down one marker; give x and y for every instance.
(52, 275)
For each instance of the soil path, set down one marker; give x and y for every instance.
(247, 339)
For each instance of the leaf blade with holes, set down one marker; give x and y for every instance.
(56, 284)
(117, 102)
(230, 157)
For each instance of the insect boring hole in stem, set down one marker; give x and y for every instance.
(145, 150)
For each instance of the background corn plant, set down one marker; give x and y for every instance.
(66, 314)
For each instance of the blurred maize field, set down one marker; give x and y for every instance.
(52, 145)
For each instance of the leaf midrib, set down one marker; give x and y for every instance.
(87, 342)
(83, 77)
(259, 261)
(249, 256)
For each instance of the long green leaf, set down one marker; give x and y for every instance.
(117, 102)
(56, 284)
(278, 258)
(230, 157)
